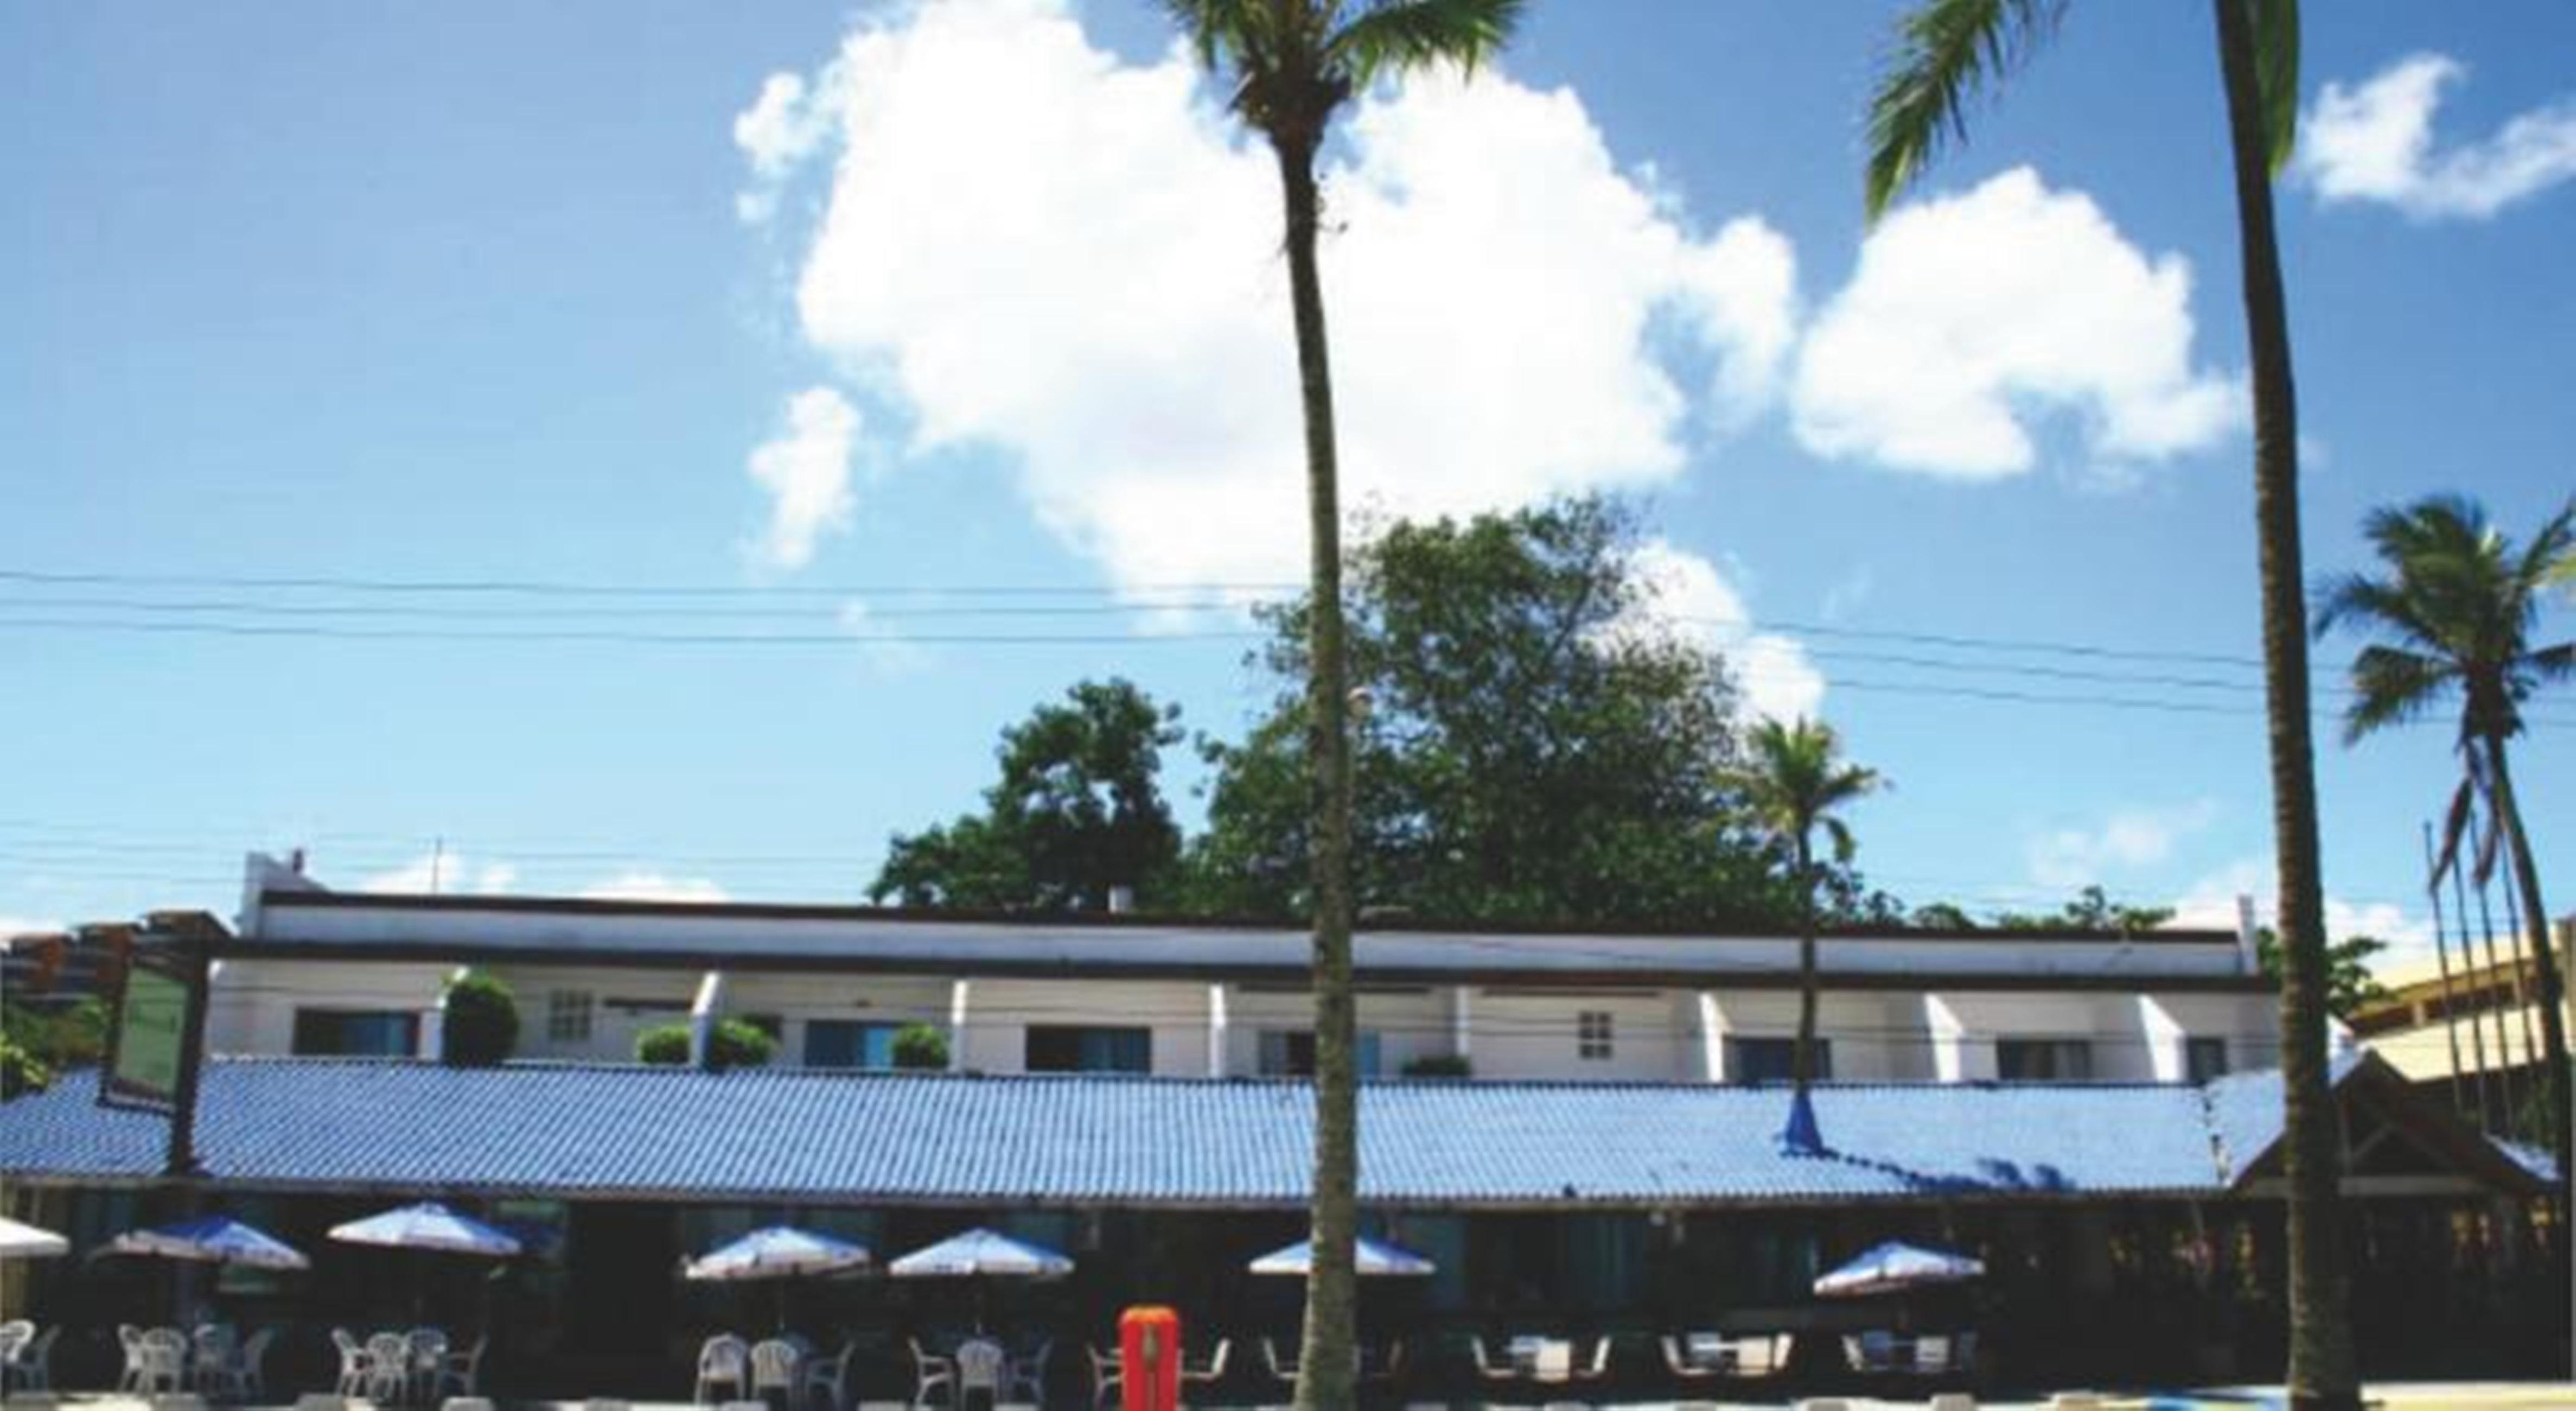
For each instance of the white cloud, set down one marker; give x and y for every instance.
(880, 645)
(1694, 602)
(1973, 317)
(806, 470)
(12, 927)
(781, 128)
(450, 873)
(1033, 246)
(2375, 143)
(2211, 902)
(2125, 841)
(641, 884)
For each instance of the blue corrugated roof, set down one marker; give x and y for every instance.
(822, 1137)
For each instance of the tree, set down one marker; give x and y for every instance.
(2349, 983)
(920, 1047)
(2092, 910)
(733, 1043)
(1795, 780)
(482, 1023)
(2454, 614)
(1535, 747)
(1293, 64)
(1077, 811)
(1946, 51)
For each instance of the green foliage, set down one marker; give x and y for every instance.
(482, 1024)
(921, 1047)
(20, 1071)
(1077, 811)
(1439, 1065)
(736, 1043)
(2092, 910)
(2349, 983)
(1531, 748)
(1794, 779)
(59, 1037)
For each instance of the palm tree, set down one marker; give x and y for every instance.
(1793, 782)
(2455, 613)
(1947, 50)
(1293, 64)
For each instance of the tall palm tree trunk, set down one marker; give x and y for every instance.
(2544, 960)
(1328, 1361)
(2322, 1371)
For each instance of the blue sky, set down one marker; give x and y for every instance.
(852, 312)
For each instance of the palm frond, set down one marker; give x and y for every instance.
(2455, 825)
(2276, 72)
(2551, 555)
(1392, 36)
(2351, 599)
(1225, 33)
(2551, 665)
(1946, 52)
(2391, 687)
(1839, 834)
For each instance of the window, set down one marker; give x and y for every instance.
(1592, 1035)
(1774, 1060)
(568, 1016)
(363, 1033)
(849, 1043)
(1290, 1053)
(1076, 1048)
(2203, 1059)
(2043, 1060)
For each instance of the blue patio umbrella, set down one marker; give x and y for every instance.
(429, 1225)
(1374, 1260)
(208, 1239)
(778, 1253)
(211, 1239)
(982, 1255)
(1896, 1266)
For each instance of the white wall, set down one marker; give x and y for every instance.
(251, 1004)
(624, 1003)
(796, 1000)
(1535, 1036)
(1000, 1011)
(1409, 1023)
(1876, 1038)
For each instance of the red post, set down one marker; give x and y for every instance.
(1149, 1359)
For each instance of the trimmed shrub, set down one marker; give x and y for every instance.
(20, 1071)
(734, 1044)
(921, 1046)
(1439, 1065)
(482, 1022)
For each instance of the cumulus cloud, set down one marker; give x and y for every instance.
(641, 884)
(1971, 318)
(780, 129)
(1034, 246)
(2124, 841)
(805, 469)
(1691, 600)
(448, 873)
(2211, 902)
(2375, 143)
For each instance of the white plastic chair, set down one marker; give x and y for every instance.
(460, 1370)
(353, 1364)
(14, 1337)
(428, 1357)
(829, 1376)
(1212, 1370)
(981, 1366)
(1026, 1381)
(1684, 1366)
(1108, 1376)
(211, 1368)
(1599, 1366)
(129, 1339)
(931, 1372)
(35, 1361)
(162, 1362)
(388, 1378)
(723, 1360)
(1554, 1362)
(1284, 1368)
(1486, 1366)
(774, 1365)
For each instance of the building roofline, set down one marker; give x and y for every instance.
(1113, 921)
(965, 964)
